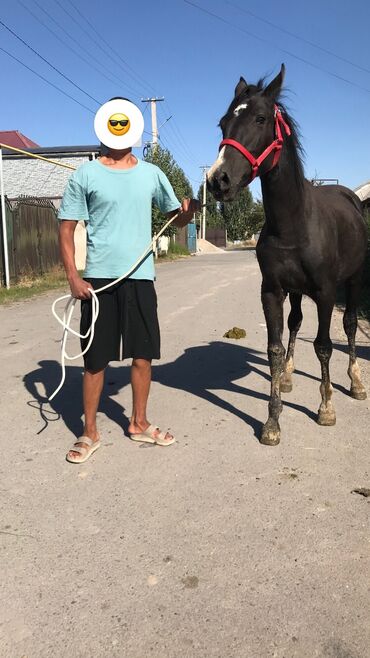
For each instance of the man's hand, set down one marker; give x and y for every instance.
(186, 212)
(80, 289)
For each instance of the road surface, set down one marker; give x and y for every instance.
(215, 547)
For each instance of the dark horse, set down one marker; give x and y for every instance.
(313, 239)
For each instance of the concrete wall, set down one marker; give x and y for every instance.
(31, 177)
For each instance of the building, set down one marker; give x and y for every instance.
(363, 193)
(27, 176)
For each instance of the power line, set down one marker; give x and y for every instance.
(296, 36)
(178, 135)
(47, 62)
(136, 77)
(179, 144)
(114, 80)
(46, 80)
(62, 41)
(96, 43)
(287, 52)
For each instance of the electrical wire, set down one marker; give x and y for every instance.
(296, 36)
(283, 50)
(177, 143)
(113, 79)
(45, 79)
(48, 63)
(177, 133)
(136, 76)
(63, 42)
(95, 42)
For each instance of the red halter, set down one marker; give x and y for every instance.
(275, 146)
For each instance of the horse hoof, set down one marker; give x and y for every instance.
(286, 386)
(270, 437)
(326, 418)
(358, 393)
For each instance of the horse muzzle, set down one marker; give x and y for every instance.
(219, 185)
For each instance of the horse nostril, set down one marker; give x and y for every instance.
(224, 178)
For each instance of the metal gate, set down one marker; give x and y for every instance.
(192, 237)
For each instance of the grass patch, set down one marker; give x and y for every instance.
(175, 251)
(30, 286)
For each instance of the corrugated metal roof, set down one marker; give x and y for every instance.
(56, 150)
(363, 191)
(16, 139)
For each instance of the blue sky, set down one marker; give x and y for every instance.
(173, 49)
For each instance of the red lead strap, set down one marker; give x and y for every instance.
(275, 146)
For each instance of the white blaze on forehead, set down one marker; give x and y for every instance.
(240, 108)
(217, 164)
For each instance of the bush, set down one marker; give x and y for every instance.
(178, 249)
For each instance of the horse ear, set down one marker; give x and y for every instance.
(240, 87)
(274, 88)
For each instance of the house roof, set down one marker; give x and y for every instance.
(363, 191)
(16, 139)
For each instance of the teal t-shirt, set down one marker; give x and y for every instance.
(116, 206)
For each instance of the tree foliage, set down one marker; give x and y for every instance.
(214, 218)
(182, 188)
(256, 219)
(235, 214)
(242, 217)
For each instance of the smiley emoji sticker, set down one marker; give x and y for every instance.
(119, 124)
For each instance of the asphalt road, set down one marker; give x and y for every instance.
(215, 547)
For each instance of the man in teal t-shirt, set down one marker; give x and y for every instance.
(113, 196)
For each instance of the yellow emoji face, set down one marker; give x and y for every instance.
(118, 124)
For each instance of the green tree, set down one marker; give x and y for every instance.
(214, 218)
(236, 215)
(182, 188)
(256, 219)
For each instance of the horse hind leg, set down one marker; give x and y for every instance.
(324, 348)
(294, 325)
(353, 288)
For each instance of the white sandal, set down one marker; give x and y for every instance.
(149, 436)
(85, 451)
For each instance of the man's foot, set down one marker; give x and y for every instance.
(74, 455)
(147, 433)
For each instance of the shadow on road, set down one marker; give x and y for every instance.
(204, 371)
(362, 352)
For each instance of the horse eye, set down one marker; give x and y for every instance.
(260, 119)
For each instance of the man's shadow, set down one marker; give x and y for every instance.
(201, 370)
(68, 403)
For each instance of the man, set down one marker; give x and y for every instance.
(114, 196)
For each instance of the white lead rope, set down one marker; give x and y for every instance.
(66, 319)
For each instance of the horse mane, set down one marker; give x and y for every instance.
(294, 153)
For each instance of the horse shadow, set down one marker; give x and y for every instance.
(362, 352)
(205, 371)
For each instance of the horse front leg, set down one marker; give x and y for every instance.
(324, 349)
(273, 308)
(294, 325)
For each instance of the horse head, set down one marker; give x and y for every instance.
(248, 128)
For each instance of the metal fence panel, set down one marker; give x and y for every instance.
(32, 238)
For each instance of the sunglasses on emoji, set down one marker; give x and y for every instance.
(122, 123)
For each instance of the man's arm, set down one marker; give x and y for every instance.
(186, 212)
(79, 287)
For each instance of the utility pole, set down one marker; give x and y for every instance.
(153, 106)
(203, 220)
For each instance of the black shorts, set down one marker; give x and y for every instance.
(127, 324)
